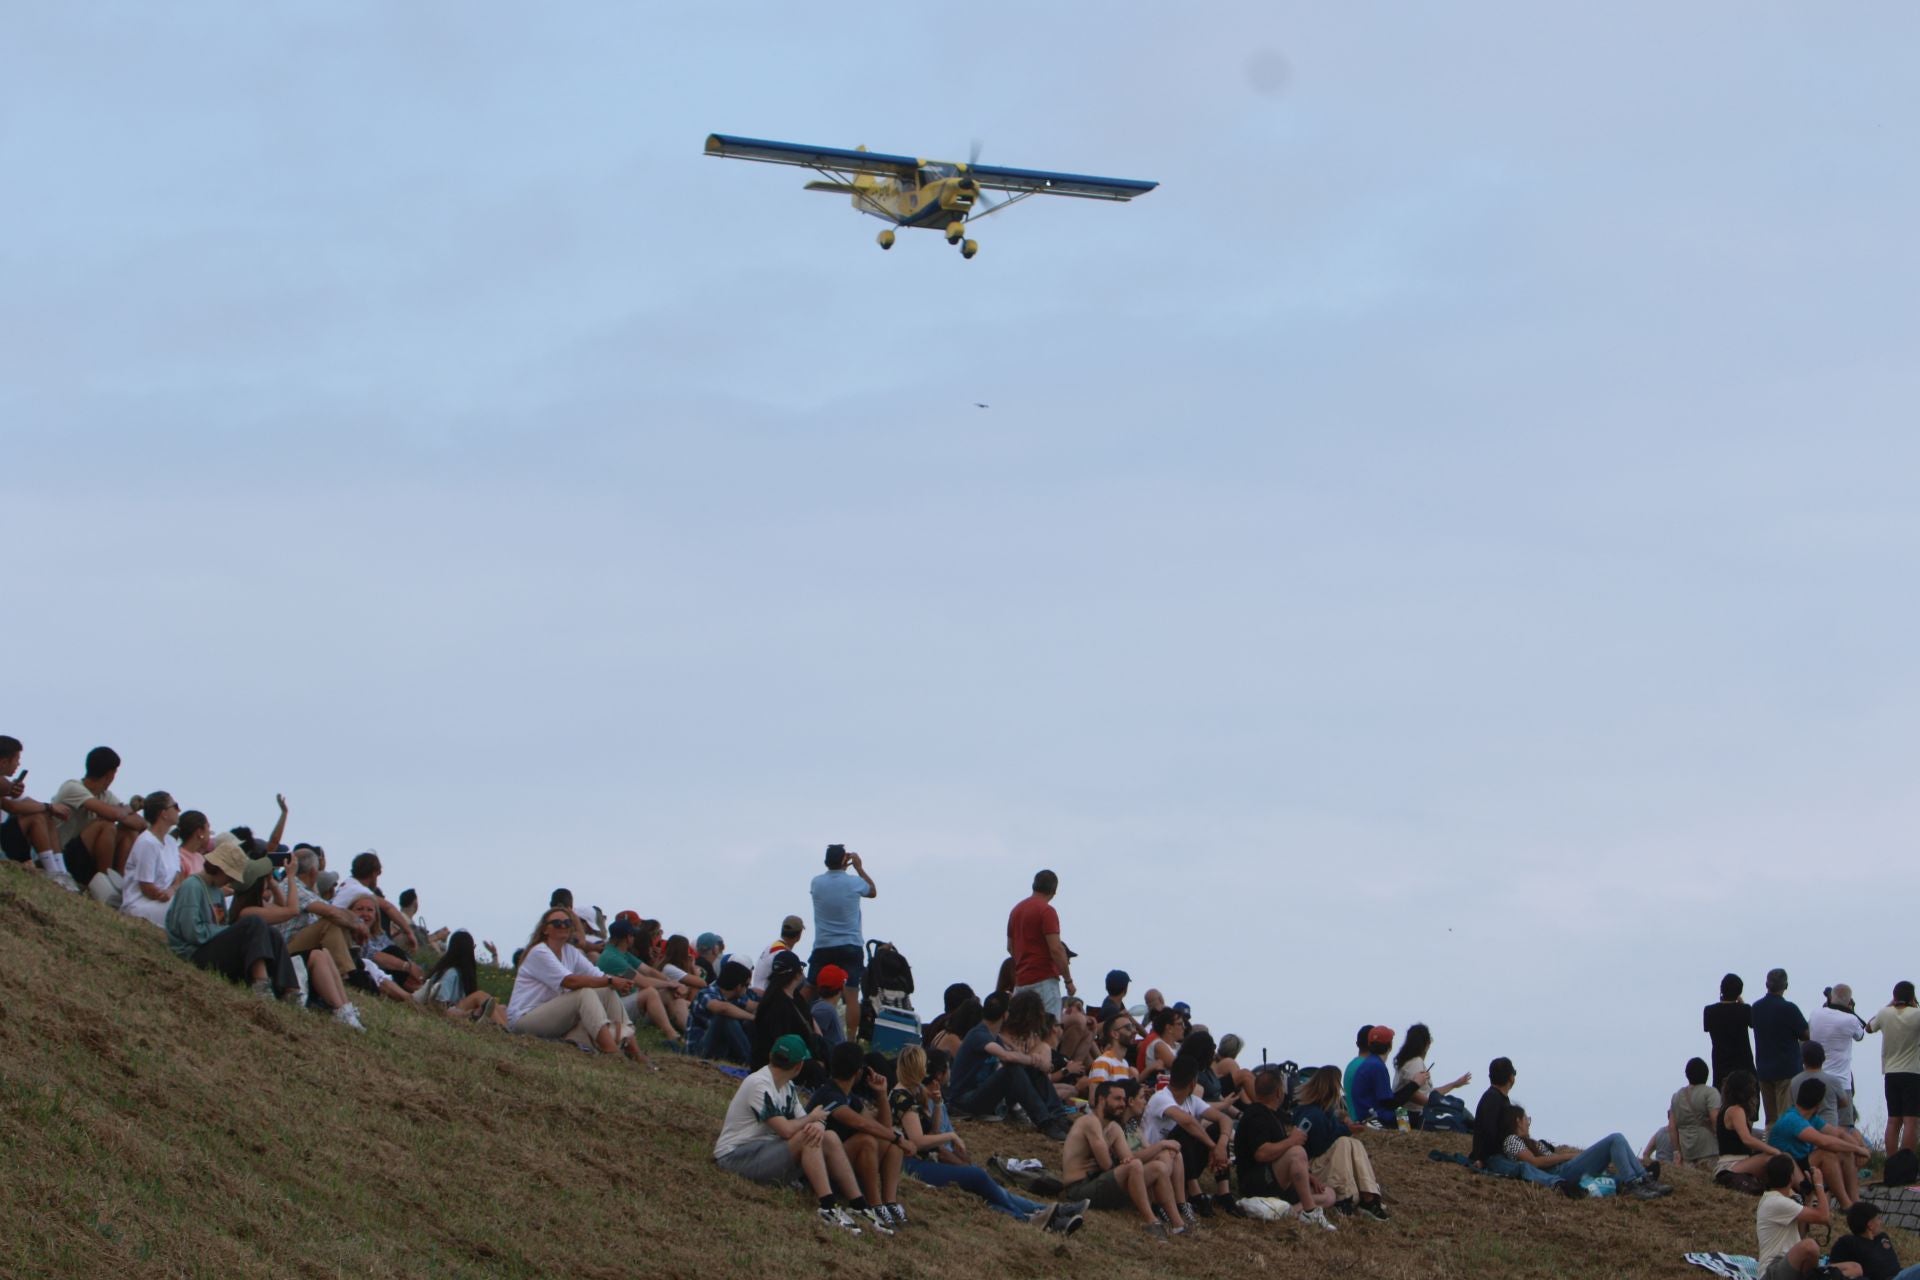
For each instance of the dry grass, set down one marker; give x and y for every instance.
(159, 1122)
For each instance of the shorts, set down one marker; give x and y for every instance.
(1903, 1094)
(1723, 1163)
(852, 959)
(1102, 1191)
(763, 1159)
(1780, 1269)
(1051, 992)
(13, 841)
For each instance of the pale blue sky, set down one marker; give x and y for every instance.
(1443, 556)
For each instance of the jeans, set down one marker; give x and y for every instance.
(971, 1177)
(1611, 1150)
(1911, 1273)
(1050, 990)
(725, 1041)
(1503, 1167)
(1009, 1083)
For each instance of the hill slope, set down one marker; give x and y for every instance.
(160, 1122)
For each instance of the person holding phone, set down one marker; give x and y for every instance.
(27, 825)
(855, 1098)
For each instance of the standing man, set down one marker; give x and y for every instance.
(836, 927)
(1838, 1028)
(1033, 940)
(1778, 1029)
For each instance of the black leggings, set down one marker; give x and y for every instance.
(1196, 1155)
(233, 952)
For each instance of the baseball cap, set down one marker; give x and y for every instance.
(258, 869)
(706, 940)
(630, 917)
(1381, 1035)
(327, 883)
(832, 978)
(784, 963)
(789, 1051)
(226, 855)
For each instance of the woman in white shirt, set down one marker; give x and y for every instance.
(153, 864)
(558, 993)
(1413, 1086)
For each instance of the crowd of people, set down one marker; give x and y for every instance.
(1154, 1117)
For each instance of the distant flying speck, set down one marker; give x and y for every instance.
(978, 405)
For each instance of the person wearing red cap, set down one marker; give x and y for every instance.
(827, 990)
(1373, 1083)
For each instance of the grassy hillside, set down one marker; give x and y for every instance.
(157, 1121)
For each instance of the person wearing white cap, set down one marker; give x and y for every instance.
(248, 950)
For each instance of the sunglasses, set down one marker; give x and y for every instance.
(559, 924)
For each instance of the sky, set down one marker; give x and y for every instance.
(1437, 558)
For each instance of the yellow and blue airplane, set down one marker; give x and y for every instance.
(935, 194)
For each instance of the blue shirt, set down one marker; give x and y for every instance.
(1778, 1029)
(826, 1016)
(700, 1016)
(1322, 1129)
(1785, 1132)
(971, 1062)
(1373, 1091)
(836, 909)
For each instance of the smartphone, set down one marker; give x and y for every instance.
(279, 873)
(20, 776)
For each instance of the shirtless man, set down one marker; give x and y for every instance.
(1101, 1169)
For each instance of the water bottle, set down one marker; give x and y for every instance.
(1599, 1185)
(1400, 1119)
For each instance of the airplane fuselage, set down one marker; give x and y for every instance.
(936, 202)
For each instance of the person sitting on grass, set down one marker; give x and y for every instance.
(1167, 1027)
(1102, 1170)
(780, 1013)
(989, 1072)
(318, 925)
(368, 973)
(98, 832)
(956, 994)
(453, 985)
(1116, 1002)
(387, 924)
(261, 894)
(720, 1024)
(767, 1138)
(790, 930)
(1115, 1040)
(1802, 1134)
(1542, 1162)
(1076, 1035)
(1868, 1246)
(247, 950)
(559, 994)
(940, 1158)
(1336, 1158)
(1779, 1219)
(1739, 1150)
(1270, 1157)
(1690, 1116)
(709, 953)
(829, 1018)
(1413, 1086)
(649, 996)
(1204, 1134)
(1836, 1109)
(679, 965)
(650, 945)
(955, 1024)
(1373, 1104)
(153, 865)
(27, 825)
(874, 1149)
(410, 908)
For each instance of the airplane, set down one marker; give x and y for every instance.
(935, 194)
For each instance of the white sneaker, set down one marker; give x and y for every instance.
(838, 1217)
(875, 1221)
(350, 1015)
(58, 874)
(1316, 1218)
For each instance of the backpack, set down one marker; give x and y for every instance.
(1903, 1169)
(889, 978)
(1745, 1183)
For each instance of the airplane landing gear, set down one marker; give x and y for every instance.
(885, 239)
(970, 248)
(955, 230)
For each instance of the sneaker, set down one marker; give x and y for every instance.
(1647, 1189)
(64, 880)
(1073, 1224)
(873, 1219)
(1373, 1122)
(349, 1015)
(895, 1214)
(1653, 1171)
(1316, 1218)
(1571, 1189)
(1075, 1208)
(1043, 1219)
(1187, 1215)
(1343, 1207)
(1203, 1206)
(1229, 1206)
(838, 1218)
(1375, 1210)
(1155, 1232)
(264, 989)
(1161, 1214)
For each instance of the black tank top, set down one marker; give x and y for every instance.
(1729, 1139)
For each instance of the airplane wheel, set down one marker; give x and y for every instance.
(955, 230)
(970, 248)
(886, 239)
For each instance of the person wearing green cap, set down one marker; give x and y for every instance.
(248, 950)
(766, 1137)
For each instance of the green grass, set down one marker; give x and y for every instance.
(156, 1121)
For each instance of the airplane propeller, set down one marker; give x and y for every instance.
(980, 195)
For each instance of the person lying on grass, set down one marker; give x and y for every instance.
(855, 1097)
(941, 1158)
(271, 901)
(767, 1138)
(1271, 1156)
(1101, 1169)
(720, 1023)
(1779, 1219)
(1336, 1158)
(1204, 1134)
(1544, 1163)
(1802, 1134)
(559, 994)
(247, 950)
(453, 987)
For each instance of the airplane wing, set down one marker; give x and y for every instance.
(836, 159)
(1040, 182)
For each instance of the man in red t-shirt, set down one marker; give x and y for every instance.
(1033, 940)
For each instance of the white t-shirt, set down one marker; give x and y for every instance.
(757, 1098)
(1899, 1039)
(1155, 1126)
(1405, 1073)
(763, 967)
(1836, 1030)
(153, 860)
(540, 975)
(674, 971)
(1777, 1222)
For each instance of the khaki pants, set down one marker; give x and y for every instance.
(583, 1010)
(324, 935)
(1776, 1095)
(1346, 1168)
